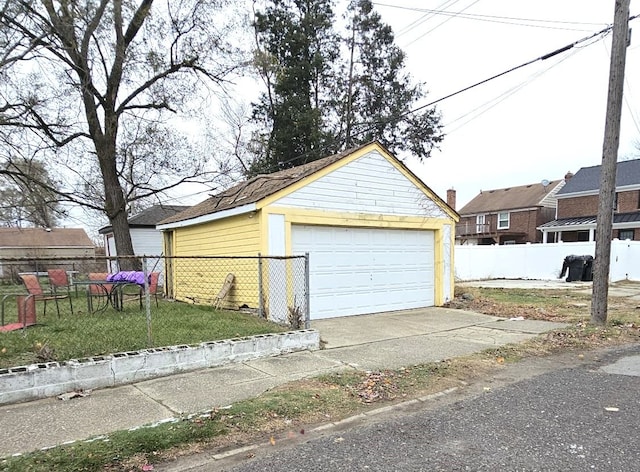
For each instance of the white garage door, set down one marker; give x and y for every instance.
(363, 270)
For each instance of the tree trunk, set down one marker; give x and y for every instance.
(115, 203)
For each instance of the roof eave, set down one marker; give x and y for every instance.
(248, 208)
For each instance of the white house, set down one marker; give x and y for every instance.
(146, 239)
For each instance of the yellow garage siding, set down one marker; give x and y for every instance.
(234, 236)
(199, 280)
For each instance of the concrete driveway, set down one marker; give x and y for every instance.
(396, 339)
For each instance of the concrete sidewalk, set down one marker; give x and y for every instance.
(368, 342)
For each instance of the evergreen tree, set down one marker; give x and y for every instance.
(296, 46)
(318, 101)
(379, 93)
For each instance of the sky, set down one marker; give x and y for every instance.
(536, 123)
(533, 124)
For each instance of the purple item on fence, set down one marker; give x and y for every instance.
(133, 276)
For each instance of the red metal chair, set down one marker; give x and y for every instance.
(153, 287)
(59, 280)
(98, 290)
(34, 288)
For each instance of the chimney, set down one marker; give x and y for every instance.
(568, 176)
(451, 198)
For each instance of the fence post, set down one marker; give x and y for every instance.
(260, 287)
(147, 301)
(307, 294)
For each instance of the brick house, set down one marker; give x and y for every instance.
(578, 206)
(41, 243)
(508, 215)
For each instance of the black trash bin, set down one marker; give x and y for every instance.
(578, 267)
(587, 272)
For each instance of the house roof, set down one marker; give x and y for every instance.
(587, 179)
(44, 238)
(511, 198)
(262, 186)
(618, 218)
(149, 217)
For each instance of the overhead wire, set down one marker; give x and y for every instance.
(485, 107)
(544, 57)
(500, 98)
(626, 95)
(531, 22)
(424, 18)
(451, 17)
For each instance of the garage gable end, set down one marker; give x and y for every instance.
(367, 184)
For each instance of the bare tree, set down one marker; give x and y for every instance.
(22, 203)
(98, 86)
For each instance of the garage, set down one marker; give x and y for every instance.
(379, 239)
(354, 271)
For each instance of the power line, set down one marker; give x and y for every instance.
(495, 18)
(485, 107)
(440, 24)
(424, 18)
(544, 57)
(626, 95)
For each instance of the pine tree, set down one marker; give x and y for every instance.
(318, 101)
(379, 93)
(296, 46)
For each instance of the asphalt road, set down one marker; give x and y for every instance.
(569, 414)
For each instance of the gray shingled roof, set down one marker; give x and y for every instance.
(42, 238)
(262, 186)
(255, 189)
(150, 217)
(511, 198)
(588, 178)
(591, 220)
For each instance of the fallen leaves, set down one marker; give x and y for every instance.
(75, 394)
(377, 386)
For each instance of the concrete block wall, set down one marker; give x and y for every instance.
(54, 378)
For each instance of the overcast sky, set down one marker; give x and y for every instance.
(533, 124)
(536, 123)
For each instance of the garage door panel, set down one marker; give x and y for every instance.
(366, 270)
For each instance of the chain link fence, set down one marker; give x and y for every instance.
(157, 301)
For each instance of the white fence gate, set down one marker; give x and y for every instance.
(540, 261)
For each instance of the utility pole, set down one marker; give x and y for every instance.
(604, 222)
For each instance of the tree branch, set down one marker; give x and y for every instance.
(136, 22)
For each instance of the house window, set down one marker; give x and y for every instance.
(583, 235)
(503, 220)
(480, 224)
(625, 234)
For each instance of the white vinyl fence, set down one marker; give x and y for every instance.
(540, 261)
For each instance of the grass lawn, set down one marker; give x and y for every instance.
(84, 334)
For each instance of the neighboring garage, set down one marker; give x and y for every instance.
(378, 238)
